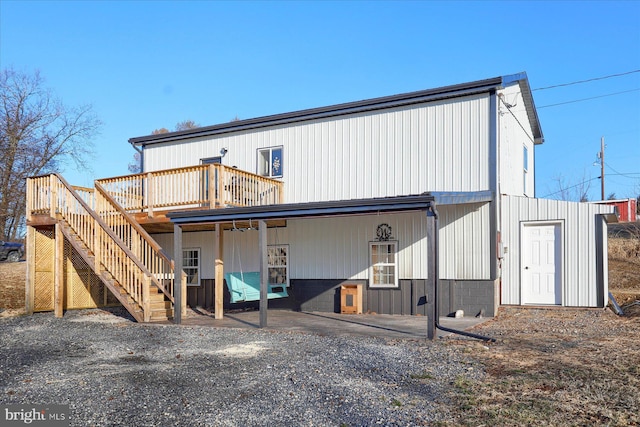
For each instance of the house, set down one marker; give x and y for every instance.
(397, 197)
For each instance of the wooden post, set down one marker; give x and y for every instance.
(184, 295)
(264, 272)
(54, 195)
(58, 272)
(220, 189)
(219, 273)
(212, 189)
(177, 277)
(146, 298)
(149, 196)
(31, 270)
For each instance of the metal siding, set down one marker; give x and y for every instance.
(512, 140)
(579, 270)
(436, 146)
(464, 242)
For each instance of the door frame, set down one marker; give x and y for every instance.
(562, 258)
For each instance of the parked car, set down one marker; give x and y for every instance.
(10, 251)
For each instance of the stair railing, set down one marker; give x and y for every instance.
(53, 194)
(139, 242)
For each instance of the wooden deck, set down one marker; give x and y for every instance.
(108, 227)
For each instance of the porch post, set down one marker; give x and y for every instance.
(264, 272)
(177, 278)
(219, 273)
(432, 280)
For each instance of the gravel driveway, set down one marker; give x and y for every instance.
(115, 372)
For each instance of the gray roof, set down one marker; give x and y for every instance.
(305, 210)
(453, 91)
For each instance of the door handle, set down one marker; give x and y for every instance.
(526, 268)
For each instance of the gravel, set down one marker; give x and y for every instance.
(112, 371)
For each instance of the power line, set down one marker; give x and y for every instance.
(588, 80)
(518, 121)
(569, 188)
(587, 99)
(626, 175)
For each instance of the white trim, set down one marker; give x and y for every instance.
(196, 267)
(383, 265)
(560, 242)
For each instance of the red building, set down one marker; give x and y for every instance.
(626, 208)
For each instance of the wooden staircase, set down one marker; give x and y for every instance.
(137, 272)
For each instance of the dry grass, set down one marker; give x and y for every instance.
(12, 282)
(560, 367)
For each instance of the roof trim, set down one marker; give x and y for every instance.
(445, 92)
(532, 113)
(306, 210)
(453, 91)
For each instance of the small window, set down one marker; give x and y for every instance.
(270, 162)
(211, 160)
(278, 265)
(525, 163)
(384, 264)
(191, 265)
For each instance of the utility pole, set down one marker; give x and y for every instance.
(601, 156)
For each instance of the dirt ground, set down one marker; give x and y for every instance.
(558, 366)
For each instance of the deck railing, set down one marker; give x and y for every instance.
(203, 186)
(52, 195)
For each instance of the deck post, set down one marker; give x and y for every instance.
(264, 272)
(177, 278)
(219, 273)
(220, 197)
(58, 275)
(149, 194)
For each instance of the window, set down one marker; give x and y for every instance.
(191, 265)
(211, 160)
(270, 162)
(383, 270)
(525, 163)
(278, 265)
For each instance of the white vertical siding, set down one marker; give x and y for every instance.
(515, 134)
(436, 146)
(465, 242)
(321, 248)
(580, 239)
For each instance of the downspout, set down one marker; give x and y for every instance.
(434, 211)
(141, 156)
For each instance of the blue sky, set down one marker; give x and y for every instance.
(145, 65)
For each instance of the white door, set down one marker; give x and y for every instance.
(541, 264)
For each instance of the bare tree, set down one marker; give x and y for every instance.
(38, 134)
(186, 125)
(573, 192)
(135, 166)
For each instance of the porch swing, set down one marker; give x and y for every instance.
(245, 287)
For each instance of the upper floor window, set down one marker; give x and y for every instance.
(270, 162)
